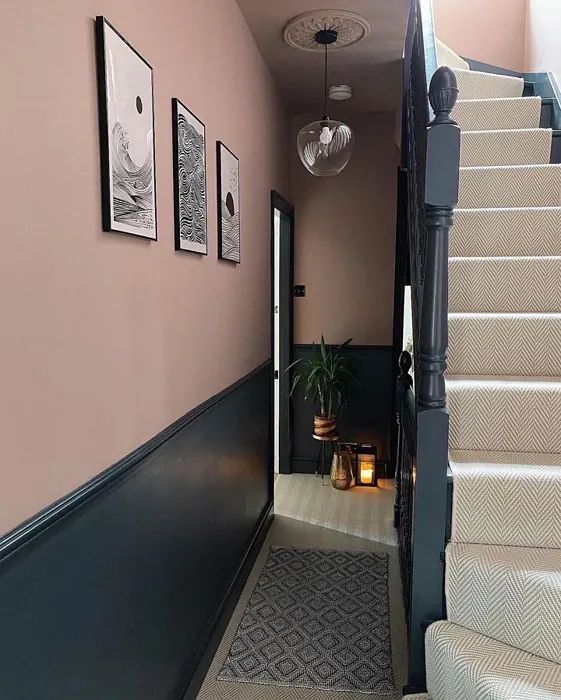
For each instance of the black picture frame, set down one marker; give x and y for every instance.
(222, 255)
(175, 103)
(108, 224)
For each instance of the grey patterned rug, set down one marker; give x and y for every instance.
(316, 619)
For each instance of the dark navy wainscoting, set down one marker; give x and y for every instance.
(116, 600)
(368, 416)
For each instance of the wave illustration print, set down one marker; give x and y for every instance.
(132, 183)
(192, 189)
(230, 234)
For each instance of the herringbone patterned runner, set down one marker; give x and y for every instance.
(498, 113)
(511, 232)
(503, 563)
(516, 591)
(510, 186)
(512, 147)
(476, 85)
(492, 343)
(464, 665)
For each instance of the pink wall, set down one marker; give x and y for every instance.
(543, 32)
(491, 31)
(107, 339)
(345, 239)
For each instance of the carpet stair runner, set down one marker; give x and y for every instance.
(502, 638)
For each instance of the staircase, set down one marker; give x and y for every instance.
(502, 638)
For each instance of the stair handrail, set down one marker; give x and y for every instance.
(431, 156)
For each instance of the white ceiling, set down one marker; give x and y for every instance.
(372, 67)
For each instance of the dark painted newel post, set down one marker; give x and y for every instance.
(441, 196)
(429, 522)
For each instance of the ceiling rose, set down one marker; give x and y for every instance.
(300, 32)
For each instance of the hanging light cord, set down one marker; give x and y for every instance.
(325, 117)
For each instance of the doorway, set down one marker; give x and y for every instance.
(282, 258)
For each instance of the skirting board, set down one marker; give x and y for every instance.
(208, 649)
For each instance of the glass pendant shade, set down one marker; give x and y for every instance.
(325, 147)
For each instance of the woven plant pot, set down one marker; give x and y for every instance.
(325, 427)
(341, 471)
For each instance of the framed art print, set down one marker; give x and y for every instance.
(228, 175)
(189, 179)
(126, 116)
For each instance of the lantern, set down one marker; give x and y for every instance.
(366, 465)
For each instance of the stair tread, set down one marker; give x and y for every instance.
(512, 594)
(506, 380)
(467, 457)
(508, 100)
(502, 169)
(463, 664)
(510, 132)
(509, 210)
(507, 314)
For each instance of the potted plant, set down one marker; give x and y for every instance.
(325, 375)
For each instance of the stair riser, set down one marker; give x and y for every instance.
(504, 416)
(505, 285)
(506, 232)
(489, 344)
(507, 499)
(475, 85)
(477, 115)
(509, 594)
(463, 665)
(491, 148)
(528, 186)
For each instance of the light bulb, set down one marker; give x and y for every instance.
(326, 136)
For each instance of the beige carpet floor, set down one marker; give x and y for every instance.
(364, 512)
(291, 532)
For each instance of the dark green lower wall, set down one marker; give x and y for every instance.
(368, 416)
(116, 599)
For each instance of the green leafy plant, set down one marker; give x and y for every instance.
(325, 376)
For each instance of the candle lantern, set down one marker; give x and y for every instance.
(366, 465)
(364, 462)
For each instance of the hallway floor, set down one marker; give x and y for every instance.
(295, 533)
(362, 511)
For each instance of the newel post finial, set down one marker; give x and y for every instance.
(405, 362)
(443, 93)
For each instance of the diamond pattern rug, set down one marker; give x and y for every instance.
(316, 619)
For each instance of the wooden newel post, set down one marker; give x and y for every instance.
(431, 483)
(441, 196)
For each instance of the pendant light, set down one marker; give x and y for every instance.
(325, 146)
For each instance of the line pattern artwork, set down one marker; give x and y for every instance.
(126, 107)
(190, 180)
(132, 184)
(228, 204)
